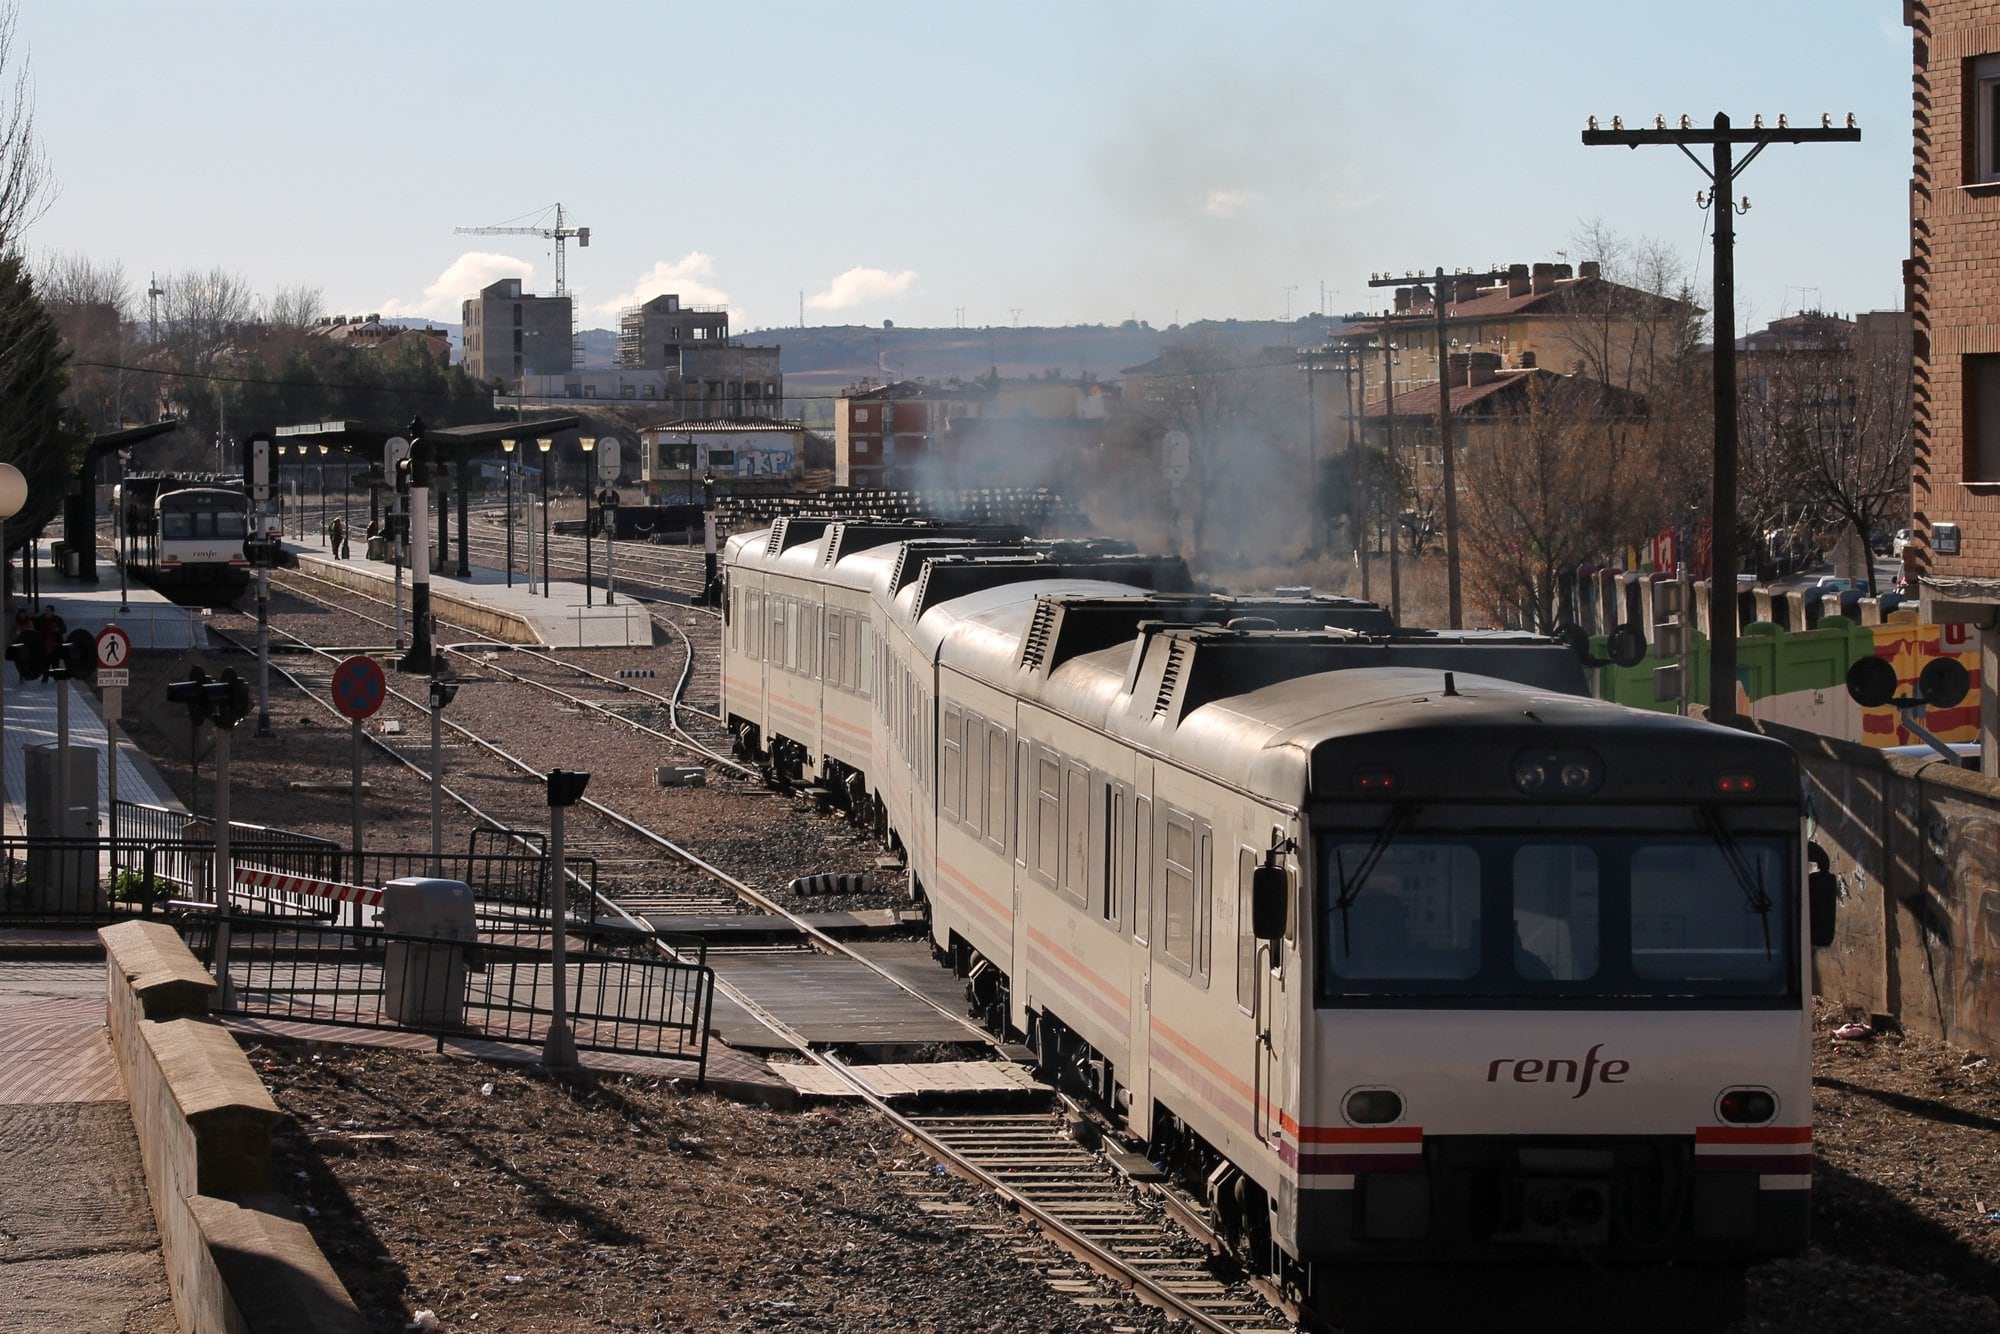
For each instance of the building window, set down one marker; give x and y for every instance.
(861, 414)
(1983, 122)
(1982, 418)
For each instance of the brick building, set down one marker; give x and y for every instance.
(1953, 278)
(894, 435)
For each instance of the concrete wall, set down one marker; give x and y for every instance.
(237, 1261)
(1916, 847)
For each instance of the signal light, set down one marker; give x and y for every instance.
(443, 692)
(1746, 1107)
(1557, 773)
(192, 692)
(1735, 784)
(1378, 779)
(78, 661)
(28, 658)
(566, 787)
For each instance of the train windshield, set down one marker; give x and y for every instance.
(1589, 915)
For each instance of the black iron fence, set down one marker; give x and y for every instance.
(497, 987)
(159, 856)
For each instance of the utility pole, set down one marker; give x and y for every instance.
(1447, 446)
(1722, 173)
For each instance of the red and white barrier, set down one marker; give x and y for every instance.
(301, 884)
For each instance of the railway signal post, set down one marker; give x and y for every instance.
(395, 452)
(607, 473)
(358, 691)
(565, 789)
(260, 503)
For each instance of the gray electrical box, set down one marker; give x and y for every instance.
(424, 984)
(62, 879)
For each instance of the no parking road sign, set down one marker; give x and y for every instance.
(358, 687)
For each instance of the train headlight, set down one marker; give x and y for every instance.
(1558, 773)
(1374, 1107)
(1746, 1106)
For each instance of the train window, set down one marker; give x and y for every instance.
(1112, 856)
(855, 637)
(176, 525)
(1694, 920)
(1177, 934)
(997, 743)
(1556, 930)
(1415, 917)
(231, 523)
(1246, 940)
(951, 792)
(1142, 869)
(974, 810)
(1076, 832)
(1047, 816)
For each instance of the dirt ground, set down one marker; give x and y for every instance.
(497, 1199)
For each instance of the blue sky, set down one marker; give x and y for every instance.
(940, 163)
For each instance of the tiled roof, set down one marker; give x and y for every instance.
(1507, 394)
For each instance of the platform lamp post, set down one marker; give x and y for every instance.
(589, 443)
(565, 789)
(507, 470)
(322, 488)
(13, 495)
(545, 443)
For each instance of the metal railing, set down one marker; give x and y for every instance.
(496, 988)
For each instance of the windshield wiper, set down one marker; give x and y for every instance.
(1752, 883)
(1350, 885)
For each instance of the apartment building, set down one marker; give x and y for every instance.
(1953, 281)
(510, 334)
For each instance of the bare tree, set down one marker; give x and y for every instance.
(25, 181)
(1827, 436)
(90, 303)
(1548, 489)
(295, 308)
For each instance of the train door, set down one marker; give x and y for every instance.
(1258, 965)
(1136, 859)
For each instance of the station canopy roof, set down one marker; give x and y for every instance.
(449, 443)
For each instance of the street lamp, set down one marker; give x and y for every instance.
(322, 488)
(13, 495)
(507, 468)
(545, 444)
(589, 443)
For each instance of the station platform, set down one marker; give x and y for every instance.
(31, 706)
(483, 600)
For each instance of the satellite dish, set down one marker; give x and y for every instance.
(1627, 645)
(1871, 682)
(1943, 683)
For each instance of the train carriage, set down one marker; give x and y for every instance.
(1394, 945)
(184, 536)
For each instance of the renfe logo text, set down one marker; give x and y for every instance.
(1560, 1070)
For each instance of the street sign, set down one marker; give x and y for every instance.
(114, 647)
(359, 687)
(114, 651)
(607, 461)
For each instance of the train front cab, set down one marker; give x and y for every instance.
(1550, 1029)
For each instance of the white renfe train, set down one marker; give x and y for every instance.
(1395, 945)
(184, 535)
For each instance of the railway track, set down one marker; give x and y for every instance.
(1131, 1229)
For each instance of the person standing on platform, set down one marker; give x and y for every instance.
(337, 539)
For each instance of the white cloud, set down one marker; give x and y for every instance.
(1230, 203)
(443, 299)
(687, 277)
(858, 285)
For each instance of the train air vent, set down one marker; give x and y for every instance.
(896, 575)
(777, 542)
(1170, 677)
(833, 536)
(1035, 644)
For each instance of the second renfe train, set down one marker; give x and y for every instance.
(1394, 946)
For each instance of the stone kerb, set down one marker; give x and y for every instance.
(204, 1122)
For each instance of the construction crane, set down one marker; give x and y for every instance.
(558, 233)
